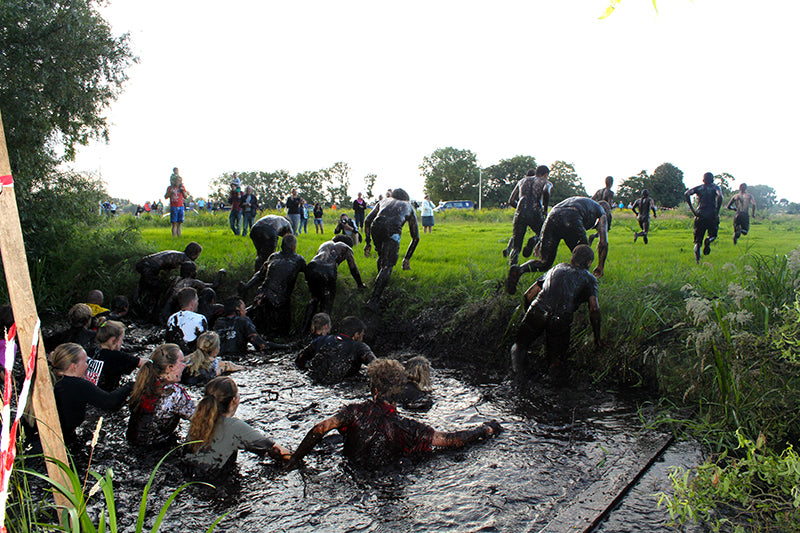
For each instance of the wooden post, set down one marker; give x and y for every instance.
(15, 265)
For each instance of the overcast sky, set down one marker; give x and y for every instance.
(709, 85)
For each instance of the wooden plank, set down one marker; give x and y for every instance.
(20, 291)
(592, 505)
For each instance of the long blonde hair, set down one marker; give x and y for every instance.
(219, 394)
(64, 356)
(146, 385)
(109, 330)
(418, 370)
(201, 359)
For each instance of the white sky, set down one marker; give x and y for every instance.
(709, 85)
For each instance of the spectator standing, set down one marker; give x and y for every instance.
(234, 198)
(249, 205)
(303, 217)
(318, 218)
(359, 208)
(176, 193)
(293, 210)
(427, 215)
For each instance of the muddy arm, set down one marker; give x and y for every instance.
(351, 263)
(368, 228)
(514, 198)
(457, 439)
(413, 228)
(602, 246)
(594, 318)
(688, 197)
(311, 439)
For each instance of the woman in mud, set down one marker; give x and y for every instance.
(158, 401)
(374, 434)
(115, 362)
(416, 395)
(221, 435)
(203, 365)
(73, 392)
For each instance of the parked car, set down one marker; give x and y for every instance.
(454, 204)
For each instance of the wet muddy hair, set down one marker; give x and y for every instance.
(542, 171)
(708, 178)
(147, 385)
(193, 249)
(289, 243)
(352, 325)
(186, 296)
(345, 239)
(230, 305)
(79, 315)
(64, 356)
(188, 269)
(582, 256)
(219, 394)
(418, 370)
(387, 378)
(201, 359)
(400, 194)
(109, 330)
(319, 321)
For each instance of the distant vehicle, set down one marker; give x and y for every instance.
(455, 204)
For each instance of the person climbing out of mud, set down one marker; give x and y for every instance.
(530, 197)
(384, 224)
(322, 272)
(604, 195)
(331, 358)
(567, 221)
(553, 299)
(149, 267)
(374, 434)
(741, 203)
(271, 310)
(188, 278)
(706, 215)
(645, 204)
(265, 234)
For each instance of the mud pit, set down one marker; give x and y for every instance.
(557, 444)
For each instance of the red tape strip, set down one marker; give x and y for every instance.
(6, 180)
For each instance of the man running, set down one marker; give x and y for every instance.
(567, 221)
(741, 202)
(265, 234)
(384, 224)
(706, 216)
(322, 271)
(530, 197)
(645, 204)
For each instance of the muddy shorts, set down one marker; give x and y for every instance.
(703, 225)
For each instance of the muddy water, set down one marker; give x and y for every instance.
(556, 444)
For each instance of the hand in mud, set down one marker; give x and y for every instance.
(406, 264)
(598, 272)
(494, 427)
(367, 249)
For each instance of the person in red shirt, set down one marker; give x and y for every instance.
(176, 193)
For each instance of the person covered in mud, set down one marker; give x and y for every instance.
(188, 278)
(706, 215)
(236, 330)
(203, 364)
(72, 392)
(150, 267)
(119, 308)
(567, 221)
(322, 271)
(416, 395)
(320, 324)
(265, 234)
(348, 227)
(209, 308)
(158, 401)
(384, 224)
(604, 195)
(374, 434)
(741, 202)
(186, 325)
(221, 435)
(530, 197)
(116, 363)
(645, 204)
(331, 358)
(271, 310)
(553, 299)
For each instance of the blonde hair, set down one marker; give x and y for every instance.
(387, 378)
(418, 370)
(216, 401)
(201, 359)
(79, 315)
(110, 329)
(64, 356)
(146, 385)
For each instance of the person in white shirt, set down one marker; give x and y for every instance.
(187, 324)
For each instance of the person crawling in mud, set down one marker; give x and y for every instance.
(188, 278)
(265, 234)
(322, 271)
(530, 197)
(221, 435)
(374, 434)
(741, 202)
(236, 330)
(150, 267)
(331, 358)
(645, 204)
(567, 221)
(271, 310)
(553, 300)
(384, 224)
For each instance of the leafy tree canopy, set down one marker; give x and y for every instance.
(764, 195)
(369, 184)
(566, 182)
(631, 188)
(666, 185)
(499, 180)
(450, 174)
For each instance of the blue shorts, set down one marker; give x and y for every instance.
(176, 214)
(318, 221)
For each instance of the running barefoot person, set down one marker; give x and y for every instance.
(567, 221)
(555, 297)
(384, 224)
(741, 202)
(265, 234)
(530, 197)
(176, 193)
(706, 216)
(374, 434)
(645, 204)
(321, 273)
(604, 195)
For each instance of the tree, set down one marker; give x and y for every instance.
(268, 186)
(451, 174)
(369, 183)
(631, 188)
(566, 182)
(764, 195)
(725, 182)
(499, 180)
(666, 185)
(337, 181)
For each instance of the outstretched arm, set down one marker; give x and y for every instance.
(457, 439)
(312, 438)
(413, 228)
(351, 264)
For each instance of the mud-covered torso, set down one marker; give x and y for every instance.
(530, 193)
(336, 357)
(331, 253)
(586, 211)
(644, 206)
(707, 195)
(272, 225)
(391, 216)
(281, 275)
(564, 288)
(604, 194)
(165, 260)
